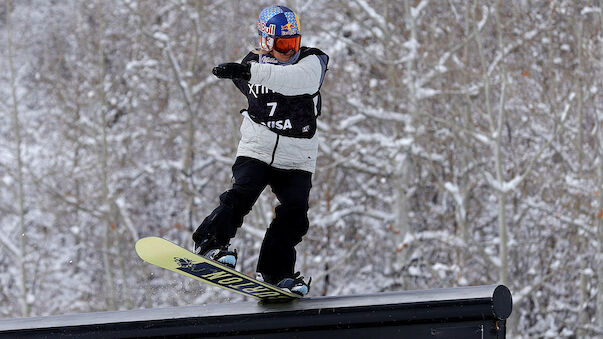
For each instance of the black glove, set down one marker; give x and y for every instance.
(233, 70)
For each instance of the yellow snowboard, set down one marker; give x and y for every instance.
(166, 254)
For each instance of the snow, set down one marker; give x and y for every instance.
(411, 44)
(407, 187)
(351, 121)
(4, 241)
(7, 180)
(31, 298)
(481, 137)
(414, 271)
(161, 36)
(145, 63)
(588, 10)
(424, 93)
(485, 15)
(504, 186)
(377, 18)
(415, 11)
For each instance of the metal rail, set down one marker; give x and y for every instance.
(464, 312)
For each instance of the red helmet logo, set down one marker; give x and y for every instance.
(288, 29)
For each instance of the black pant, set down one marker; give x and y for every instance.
(292, 189)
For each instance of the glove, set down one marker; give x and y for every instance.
(233, 70)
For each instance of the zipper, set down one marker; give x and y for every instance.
(274, 150)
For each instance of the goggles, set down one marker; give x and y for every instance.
(285, 44)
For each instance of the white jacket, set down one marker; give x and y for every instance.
(257, 141)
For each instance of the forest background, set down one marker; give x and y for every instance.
(461, 143)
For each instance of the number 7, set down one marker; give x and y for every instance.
(273, 109)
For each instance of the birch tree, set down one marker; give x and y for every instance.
(460, 145)
(18, 253)
(599, 130)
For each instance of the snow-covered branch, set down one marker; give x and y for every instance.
(508, 186)
(9, 246)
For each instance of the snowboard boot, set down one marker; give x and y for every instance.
(209, 249)
(295, 284)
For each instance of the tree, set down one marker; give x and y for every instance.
(460, 145)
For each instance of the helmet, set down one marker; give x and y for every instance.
(279, 29)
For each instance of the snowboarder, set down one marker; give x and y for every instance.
(278, 147)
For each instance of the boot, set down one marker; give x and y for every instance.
(209, 248)
(294, 284)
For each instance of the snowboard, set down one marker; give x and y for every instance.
(166, 254)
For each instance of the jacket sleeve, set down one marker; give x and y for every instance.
(303, 77)
(241, 83)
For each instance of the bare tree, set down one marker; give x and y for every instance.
(599, 129)
(19, 253)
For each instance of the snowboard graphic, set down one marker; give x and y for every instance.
(165, 254)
